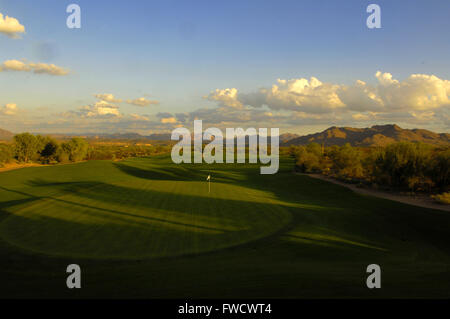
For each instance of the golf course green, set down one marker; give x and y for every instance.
(146, 227)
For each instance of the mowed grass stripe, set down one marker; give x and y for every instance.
(135, 216)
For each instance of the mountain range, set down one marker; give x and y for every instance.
(5, 135)
(378, 135)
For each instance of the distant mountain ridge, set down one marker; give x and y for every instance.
(115, 136)
(5, 135)
(377, 135)
(133, 136)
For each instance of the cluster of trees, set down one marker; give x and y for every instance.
(46, 150)
(36, 148)
(403, 165)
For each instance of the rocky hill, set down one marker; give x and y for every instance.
(378, 135)
(5, 135)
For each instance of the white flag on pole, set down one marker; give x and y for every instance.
(208, 178)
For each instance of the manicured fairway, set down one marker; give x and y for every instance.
(134, 209)
(150, 228)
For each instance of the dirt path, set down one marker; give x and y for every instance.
(11, 166)
(422, 201)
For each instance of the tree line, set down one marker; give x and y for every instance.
(27, 148)
(401, 165)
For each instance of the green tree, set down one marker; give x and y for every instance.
(347, 161)
(26, 146)
(307, 162)
(405, 163)
(440, 169)
(6, 153)
(76, 150)
(49, 149)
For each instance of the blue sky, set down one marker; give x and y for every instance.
(177, 52)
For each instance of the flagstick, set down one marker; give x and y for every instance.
(209, 186)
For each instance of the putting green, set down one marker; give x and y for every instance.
(140, 208)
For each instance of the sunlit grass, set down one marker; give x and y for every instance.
(154, 228)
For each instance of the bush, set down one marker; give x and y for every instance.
(101, 154)
(403, 162)
(440, 169)
(443, 198)
(413, 166)
(76, 150)
(62, 156)
(307, 162)
(347, 161)
(6, 153)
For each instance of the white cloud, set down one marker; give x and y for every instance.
(9, 109)
(107, 98)
(311, 96)
(142, 101)
(361, 97)
(296, 94)
(419, 92)
(416, 99)
(419, 100)
(98, 109)
(11, 27)
(225, 97)
(37, 68)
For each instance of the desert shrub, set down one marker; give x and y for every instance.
(403, 163)
(6, 153)
(62, 156)
(443, 198)
(415, 166)
(440, 169)
(315, 149)
(307, 162)
(347, 161)
(101, 154)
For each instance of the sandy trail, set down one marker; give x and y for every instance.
(421, 201)
(12, 166)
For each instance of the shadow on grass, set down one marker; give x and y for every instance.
(77, 187)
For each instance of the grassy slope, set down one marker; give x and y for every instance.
(149, 228)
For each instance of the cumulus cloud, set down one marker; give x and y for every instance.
(100, 109)
(9, 109)
(225, 97)
(419, 92)
(37, 68)
(107, 97)
(142, 101)
(11, 27)
(417, 99)
(294, 104)
(311, 96)
(296, 94)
